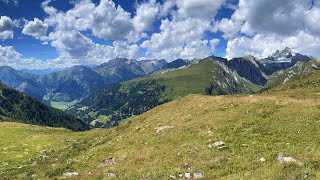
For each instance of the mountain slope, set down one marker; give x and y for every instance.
(22, 81)
(178, 138)
(120, 69)
(150, 66)
(176, 64)
(18, 107)
(119, 101)
(71, 84)
(298, 70)
(248, 67)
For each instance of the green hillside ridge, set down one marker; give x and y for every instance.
(18, 107)
(178, 137)
(298, 70)
(123, 100)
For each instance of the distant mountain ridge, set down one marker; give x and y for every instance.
(211, 76)
(64, 88)
(76, 82)
(16, 106)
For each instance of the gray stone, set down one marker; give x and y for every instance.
(70, 174)
(198, 175)
(111, 175)
(218, 145)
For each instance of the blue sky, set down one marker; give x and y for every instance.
(56, 33)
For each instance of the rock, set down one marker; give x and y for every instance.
(111, 175)
(198, 175)
(173, 177)
(161, 128)
(106, 162)
(287, 159)
(70, 174)
(187, 175)
(262, 159)
(219, 145)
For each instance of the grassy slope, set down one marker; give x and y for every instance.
(297, 71)
(178, 83)
(192, 80)
(252, 126)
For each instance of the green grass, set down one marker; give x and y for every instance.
(62, 105)
(284, 120)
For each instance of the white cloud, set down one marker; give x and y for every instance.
(183, 36)
(6, 26)
(271, 25)
(104, 20)
(10, 57)
(36, 28)
(229, 27)
(263, 45)
(202, 9)
(179, 39)
(146, 14)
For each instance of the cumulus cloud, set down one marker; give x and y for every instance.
(202, 9)
(178, 39)
(146, 14)
(184, 35)
(36, 28)
(6, 26)
(263, 45)
(104, 20)
(10, 57)
(269, 25)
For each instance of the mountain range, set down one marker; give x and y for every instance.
(120, 88)
(210, 76)
(77, 82)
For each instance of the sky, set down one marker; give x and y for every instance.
(41, 34)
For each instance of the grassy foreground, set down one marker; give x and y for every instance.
(252, 127)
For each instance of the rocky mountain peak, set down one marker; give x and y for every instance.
(286, 53)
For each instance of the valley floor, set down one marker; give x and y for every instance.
(177, 138)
